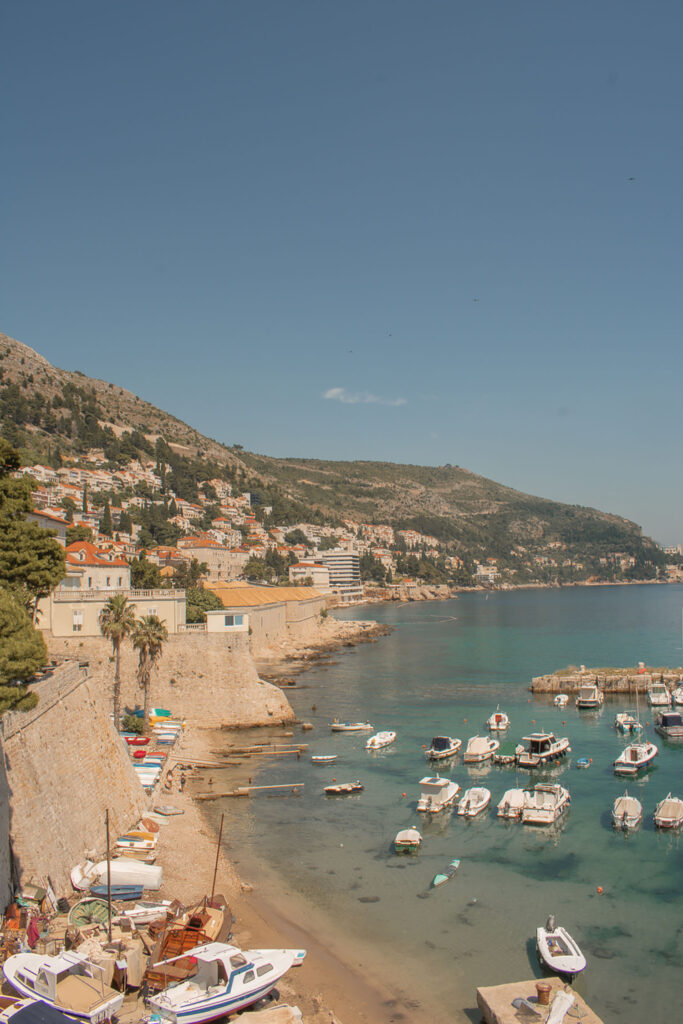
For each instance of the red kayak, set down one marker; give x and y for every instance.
(138, 753)
(137, 741)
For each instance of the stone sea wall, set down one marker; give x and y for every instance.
(208, 679)
(64, 768)
(620, 681)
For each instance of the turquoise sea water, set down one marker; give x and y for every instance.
(443, 670)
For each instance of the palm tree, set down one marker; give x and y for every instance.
(117, 621)
(149, 636)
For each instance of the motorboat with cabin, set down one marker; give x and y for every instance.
(544, 804)
(474, 801)
(69, 982)
(511, 804)
(219, 979)
(669, 812)
(558, 950)
(590, 696)
(658, 696)
(351, 726)
(442, 747)
(408, 840)
(436, 794)
(627, 721)
(542, 748)
(498, 721)
(669, 724)
(561, 700)
(677, 695)
(627, 812)
(480, 749)
(635, 757)
(379, 740)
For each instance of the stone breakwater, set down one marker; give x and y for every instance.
(610, 680)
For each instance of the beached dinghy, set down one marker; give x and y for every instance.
(69, 982)
(634, 758)
(558, 950)
(225, 979)
(474, 801)
(442, 747)
(498, 720)
(436, 794)
(379, 740)
(407, 841)
(344, 788)
(124, 871)
(511, 804)
(448, 872)
(627, 812)
(120, 893)
(351, 726)
(480, 749)
(669, 812)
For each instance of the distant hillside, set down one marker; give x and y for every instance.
(51, 413)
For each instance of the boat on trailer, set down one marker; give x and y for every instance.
(669, 812)
(442, 747)
(542, 748)
(558, 950)
(634, 758)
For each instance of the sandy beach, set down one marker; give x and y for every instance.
(339, 981)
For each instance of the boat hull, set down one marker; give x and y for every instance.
(559, 952)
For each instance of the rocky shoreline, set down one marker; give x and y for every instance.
(287, 659)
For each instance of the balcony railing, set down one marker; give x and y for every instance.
(72, 594)
(192, 627)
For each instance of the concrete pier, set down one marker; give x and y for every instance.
(495, 1003)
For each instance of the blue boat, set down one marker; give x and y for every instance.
(121, 893)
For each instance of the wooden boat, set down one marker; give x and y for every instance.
(669, 812)
(561, 700)
(498, 720)
(436, 794)
(542, 749)
(167, 809)
(544, 804)
(669, 724)
(590, 696)
(223, 980)
(379, 740)
(208, 922)
(627, 812)
(344, 788)
(124, 843)
(120, 893)
(558, 950)
(634, 758)
(408, 840)
(124, 871)
(443, 876)
(69, 982)
(511, 804)
(351, 726)
(474, 801)
(442, 747)
(480, 749)
(658, 696)
(323, 759)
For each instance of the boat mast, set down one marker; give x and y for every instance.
(218, 852)
(106, 822)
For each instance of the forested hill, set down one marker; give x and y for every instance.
(52, 414)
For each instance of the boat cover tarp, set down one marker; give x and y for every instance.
(441, 743)
(40, 1013)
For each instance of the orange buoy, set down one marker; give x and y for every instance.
(403, 794)
(564, 723)
(464, 719)
(334, 780)
(424, 746)
(533, 721)
(599, 889)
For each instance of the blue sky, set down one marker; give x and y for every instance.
(419, 232)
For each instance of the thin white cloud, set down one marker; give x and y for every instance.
(360, 397)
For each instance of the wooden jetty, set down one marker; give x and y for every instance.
(495, 1002)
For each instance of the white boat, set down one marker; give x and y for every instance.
(147, 910)
(351, 726)
(659, 696)
(627, 812)
(558, 950)
(225, 979)
(124, 843)
(344, 788)
(627, 721)
(544, 804)
(669, 812)
(498, 720)
(474, 801)
(543, 747)
(323, 759)
(511, 804)
(479, 749)
(677, 695)
(442, 747)
(69, 982)
(379, 740)
(436, 794)
(561, 700)
(669, 724)
(124, 871)
(407, 840)
(634, 757)
(590, 696)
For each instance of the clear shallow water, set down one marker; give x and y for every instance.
(443, 670)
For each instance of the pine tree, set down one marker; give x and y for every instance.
(22, 653)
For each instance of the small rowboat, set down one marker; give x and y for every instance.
(448, 872)
(136, 741)
(561, 700)
(584, 762)
(167, 809)
(121, 893)
(558, 950)
(323, 759)
(379, 740)
(343, 788)
(351, 727)
(407, 841)
(138, 754)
